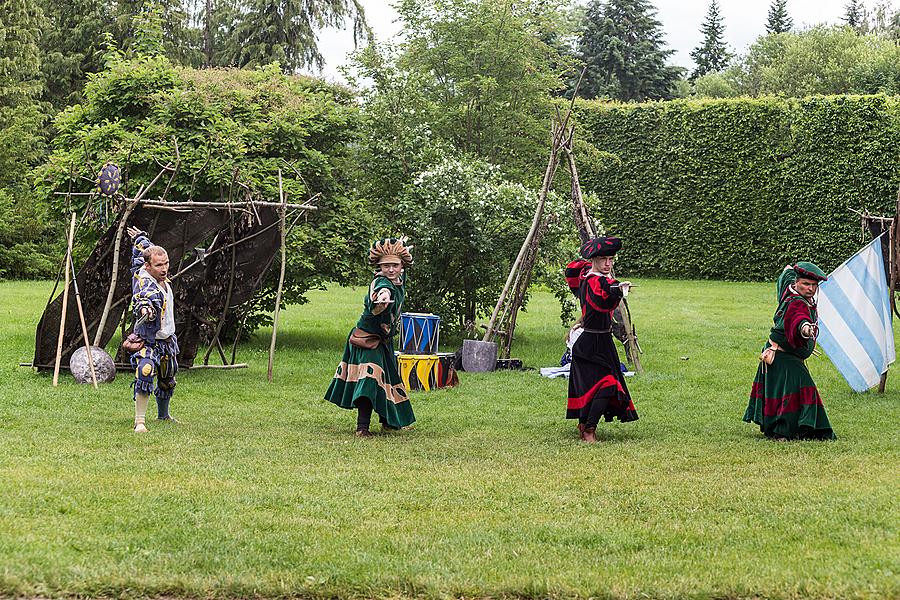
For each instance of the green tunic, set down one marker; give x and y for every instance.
(373, 374)
(784, 400)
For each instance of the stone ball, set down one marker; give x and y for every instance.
(104, 367)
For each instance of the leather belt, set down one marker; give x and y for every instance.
(586, 330)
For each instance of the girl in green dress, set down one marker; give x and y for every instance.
(367, 378)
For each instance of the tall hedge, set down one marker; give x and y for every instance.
(736, 188)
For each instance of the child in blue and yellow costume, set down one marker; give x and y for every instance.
(153, 303)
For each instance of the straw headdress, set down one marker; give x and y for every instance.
(395, 247)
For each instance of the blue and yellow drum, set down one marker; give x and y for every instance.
(419, 333)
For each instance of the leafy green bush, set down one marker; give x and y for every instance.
(819, 60)
(735, 188)
(227, 123)
(468, 225)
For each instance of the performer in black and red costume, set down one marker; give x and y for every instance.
(596, 385)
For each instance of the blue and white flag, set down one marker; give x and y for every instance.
(855, 328)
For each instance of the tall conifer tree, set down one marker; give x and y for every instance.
(623, 49)
(286, 30)
(712, 55)
(21, 22)
(779, 20)
(855, 16)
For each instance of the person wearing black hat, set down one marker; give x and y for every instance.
(596, 385)
(784, 400)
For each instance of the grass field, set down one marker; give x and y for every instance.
(262, 491)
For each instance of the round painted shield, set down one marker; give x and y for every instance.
(109, 179)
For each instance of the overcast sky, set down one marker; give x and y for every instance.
(681, 19)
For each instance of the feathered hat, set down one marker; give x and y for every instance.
(391, 247)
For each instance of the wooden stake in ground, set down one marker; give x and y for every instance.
(84, 332)
(283, 210)
(557, 133)
(65, 303)
(893, 266)
(115, 273)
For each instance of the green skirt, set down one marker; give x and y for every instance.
(372, 374)
(784, 401)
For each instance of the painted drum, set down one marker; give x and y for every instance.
(427, 371)
(419, 333)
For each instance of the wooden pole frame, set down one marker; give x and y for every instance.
(84, 331)
(115, 273)
(280, 278)
(65, 304)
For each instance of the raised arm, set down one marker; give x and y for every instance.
(139, 243)
(573, 274)
(146, 298)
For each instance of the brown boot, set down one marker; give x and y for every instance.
(581, 429)
(364, 433)
(589, 435)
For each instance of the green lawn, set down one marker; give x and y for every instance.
(262, 490)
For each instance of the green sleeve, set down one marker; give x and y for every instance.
(787, 277)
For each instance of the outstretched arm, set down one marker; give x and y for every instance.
(601, 295)
(139, 243)
(798, 324)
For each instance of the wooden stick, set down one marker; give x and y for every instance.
(280, 278)
(84, 331)
(894, 262)
(238, 205)
(892, 266)
(115, 272)
(241, 206)
(128, 367)
(582, 221)
(65, 303)
(237, 337)
(631, 348)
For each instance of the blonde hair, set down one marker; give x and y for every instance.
(152, 251)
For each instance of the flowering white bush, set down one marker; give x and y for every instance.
(468, 224)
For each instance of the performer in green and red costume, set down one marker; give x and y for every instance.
(596, 385)
(784, 401)
(367, 378)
